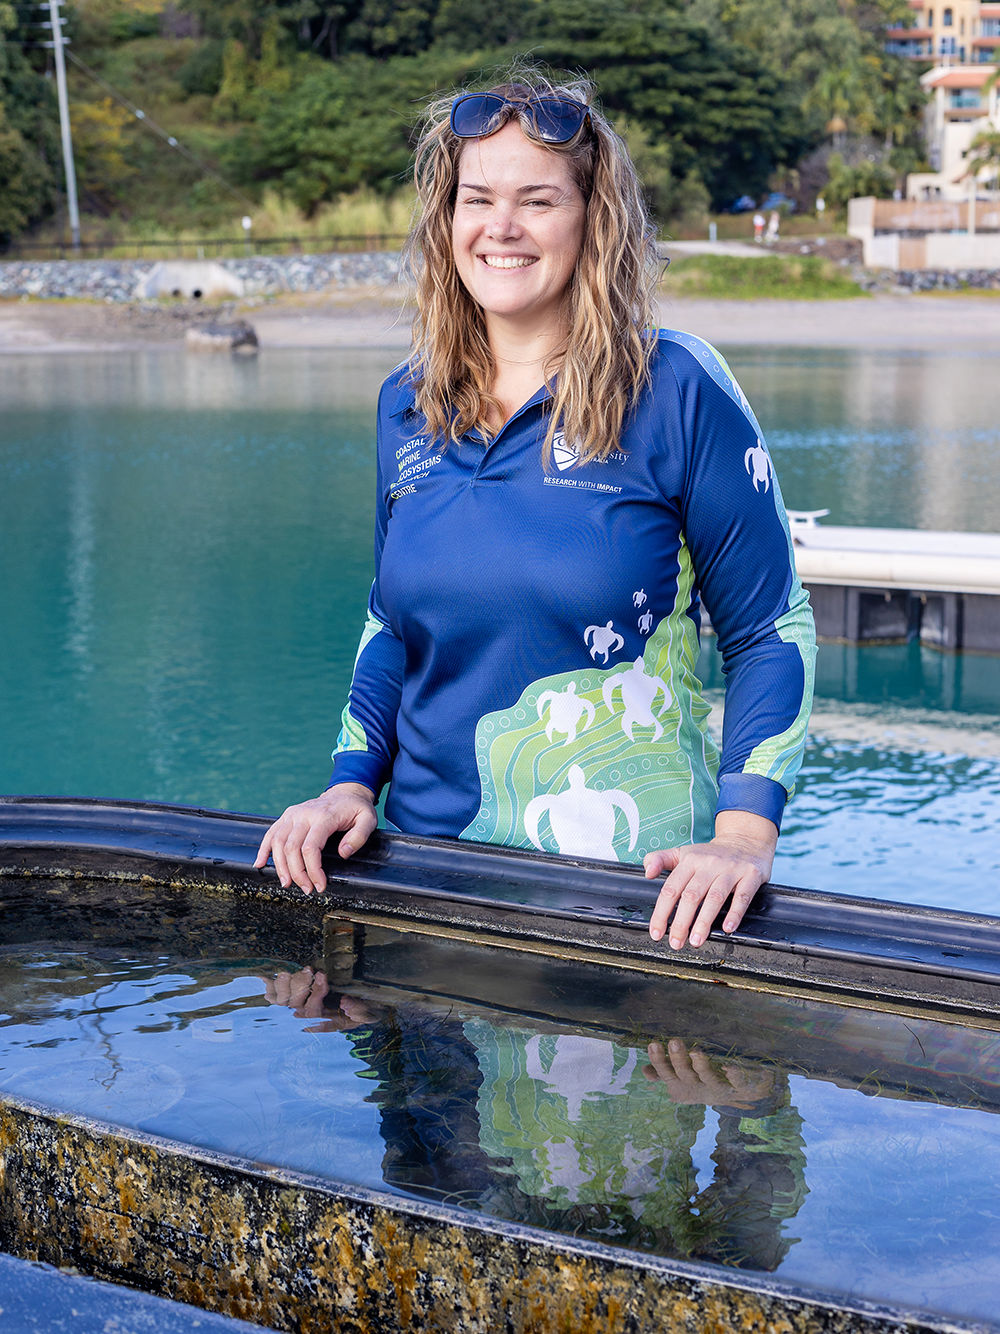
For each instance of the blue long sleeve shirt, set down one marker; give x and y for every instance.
(526, 675)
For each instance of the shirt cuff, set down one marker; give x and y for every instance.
(358, 766)
(753, 793)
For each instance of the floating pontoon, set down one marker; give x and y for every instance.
(891, 584)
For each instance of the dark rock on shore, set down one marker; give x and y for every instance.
(234, 336)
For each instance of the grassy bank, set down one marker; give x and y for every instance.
(362, 220)
(789, 277)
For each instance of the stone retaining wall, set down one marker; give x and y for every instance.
(117, 279)
(925, 280)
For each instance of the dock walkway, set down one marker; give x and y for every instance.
(891, 584)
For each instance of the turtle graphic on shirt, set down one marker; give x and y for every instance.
(603, 639)
(582, 819)
(638, 692)
(565, 708)
(756, 458)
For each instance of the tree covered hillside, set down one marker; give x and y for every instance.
(302, 102)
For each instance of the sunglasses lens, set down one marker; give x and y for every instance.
(557, 121)
(552, 120)
(476, 114)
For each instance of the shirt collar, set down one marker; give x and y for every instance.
(401, 398)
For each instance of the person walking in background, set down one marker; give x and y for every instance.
(758, 227)
(773, 223)
(559, 486)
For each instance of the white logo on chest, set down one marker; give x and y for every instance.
(564, 455)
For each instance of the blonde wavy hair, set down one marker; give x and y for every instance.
(603, 367)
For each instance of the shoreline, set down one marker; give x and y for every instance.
(365, 318)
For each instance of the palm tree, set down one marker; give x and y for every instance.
(983, 156)
(983, 153)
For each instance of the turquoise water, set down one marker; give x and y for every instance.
(893, 439)
(838, 1148)
(186, 551)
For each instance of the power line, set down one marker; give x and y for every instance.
(169, 139)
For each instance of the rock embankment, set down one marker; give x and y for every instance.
(124, 280)
(114, 280)
(935, 280)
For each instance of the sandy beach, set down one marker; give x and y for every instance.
(380, 320)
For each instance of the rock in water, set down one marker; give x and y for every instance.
(237, 336)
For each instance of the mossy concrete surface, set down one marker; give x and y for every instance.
(296, 1253)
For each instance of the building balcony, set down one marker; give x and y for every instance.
(908, 52)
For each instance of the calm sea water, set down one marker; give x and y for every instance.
(837, 1148)
(185, 545)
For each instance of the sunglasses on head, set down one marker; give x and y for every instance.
(549, 120)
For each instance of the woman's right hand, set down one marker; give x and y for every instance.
(296, 840)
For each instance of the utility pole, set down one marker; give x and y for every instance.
(55, 23)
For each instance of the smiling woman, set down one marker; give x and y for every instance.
(599, 472)
(516, 238)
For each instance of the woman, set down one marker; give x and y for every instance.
(558, 486)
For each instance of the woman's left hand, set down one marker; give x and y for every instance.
(704, 875)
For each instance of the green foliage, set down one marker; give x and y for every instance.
(686, 82)
(27, 192)
(692, 200)
(202, 71)
(336, 128)
(246, 21)
(235, 81)
(108, 22)
(311, 141)
(831, 52)
(469, 25)
(792, 277)
(314, 99)
(391, 27)
(829, 57)
(29, 145)
(654, 162)
(848, 181)
(983, 155)
(380, 28)
(102, 132)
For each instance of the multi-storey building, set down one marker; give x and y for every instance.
(963, 101)
(964, 32)
(950, 218)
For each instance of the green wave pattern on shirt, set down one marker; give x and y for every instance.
(352, 734)
(670, 777)
(779, 757)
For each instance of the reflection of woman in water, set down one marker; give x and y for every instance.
(559, 487)
(573, 1132)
